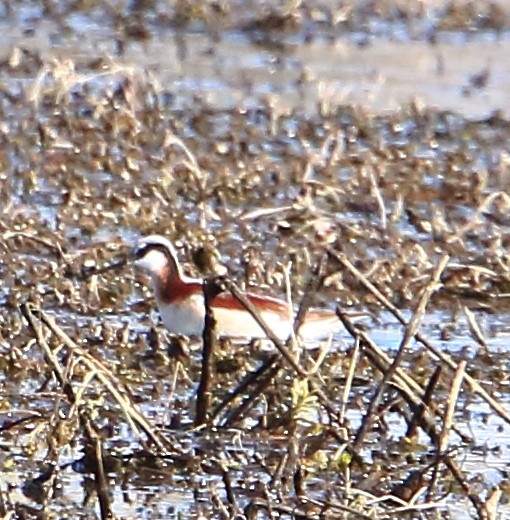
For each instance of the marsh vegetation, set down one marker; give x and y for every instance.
(400, 216)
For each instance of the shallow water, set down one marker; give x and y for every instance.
(287, 127)
(390, 67)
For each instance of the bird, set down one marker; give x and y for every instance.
(181, 304)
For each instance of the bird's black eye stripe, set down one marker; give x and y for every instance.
(139, 252)
(142, 250)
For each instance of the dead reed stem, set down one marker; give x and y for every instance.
(348, 382)
(110, 382)
(426, 404)
(267, 330)
(314, 281)
(443, 456)
(263, 381)
(445, 358)
(450, 406)
(410, 390)
(245, 383)
(278, 343)
(101, 482)
(210, 289)
(410, 332)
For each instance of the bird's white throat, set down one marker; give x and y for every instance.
(154, 261)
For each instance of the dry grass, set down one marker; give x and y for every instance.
(403, 214)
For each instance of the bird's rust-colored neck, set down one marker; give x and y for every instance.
(170, 286)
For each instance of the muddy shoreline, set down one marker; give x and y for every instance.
(353, 155)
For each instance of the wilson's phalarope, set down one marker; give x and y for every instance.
(181, 302)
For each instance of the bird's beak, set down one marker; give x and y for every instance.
(94, 270)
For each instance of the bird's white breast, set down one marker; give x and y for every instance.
(187, 317)
(184, 317)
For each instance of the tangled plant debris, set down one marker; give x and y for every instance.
(402, 217)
